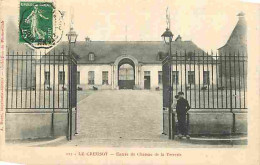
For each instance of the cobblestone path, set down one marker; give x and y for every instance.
(121, 114)
(123, 118)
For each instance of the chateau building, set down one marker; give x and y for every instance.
(138, 64)
(127, 64)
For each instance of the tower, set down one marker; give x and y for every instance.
(233, 55)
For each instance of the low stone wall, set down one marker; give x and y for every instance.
(241, 123)
(37, 124)
(214, 122)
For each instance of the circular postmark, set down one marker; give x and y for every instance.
(41, 25)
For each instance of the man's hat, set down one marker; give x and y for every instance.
(180, 93)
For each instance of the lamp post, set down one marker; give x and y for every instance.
(167, 38)
(72, 38)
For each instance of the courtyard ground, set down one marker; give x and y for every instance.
(124, 118)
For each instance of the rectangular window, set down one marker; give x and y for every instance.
(91, 77)
(47, 78)
(175, 77)
(146, 73)
(105, 77)
(191, 77)
(61, 77)
(159, 77)
(206, 79)
(78, 77)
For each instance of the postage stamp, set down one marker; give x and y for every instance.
(40, 24)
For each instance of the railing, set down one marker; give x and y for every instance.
(211, 83)
(42, 83)
(208, 81)
(35, 81)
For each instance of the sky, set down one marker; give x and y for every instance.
(208, 23)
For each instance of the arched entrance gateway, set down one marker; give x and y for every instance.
(126, 74)
(126, 68)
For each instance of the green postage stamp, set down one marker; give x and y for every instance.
(39, 22)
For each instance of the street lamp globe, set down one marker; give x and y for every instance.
(72, 36)
(167, 36)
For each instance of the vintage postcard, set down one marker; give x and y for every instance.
(129, 82)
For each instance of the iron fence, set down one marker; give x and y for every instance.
(209, 81)
(42, 83)
(39, 81)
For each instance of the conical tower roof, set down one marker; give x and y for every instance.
(238, 38)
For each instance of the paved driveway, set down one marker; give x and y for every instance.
(123, 118)
(112, 116)
(121, 114)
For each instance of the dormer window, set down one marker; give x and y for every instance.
(160, 56)
(91, 56)
(189, 56)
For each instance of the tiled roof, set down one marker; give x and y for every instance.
(107, 51)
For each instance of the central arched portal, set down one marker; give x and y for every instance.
(126, 74)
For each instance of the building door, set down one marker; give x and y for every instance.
(147, 81)
(126, 79)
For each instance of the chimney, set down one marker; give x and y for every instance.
(178, 38)
(241, 15)
(87, 39)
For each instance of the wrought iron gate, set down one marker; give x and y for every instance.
(209, 82)
(43, 83)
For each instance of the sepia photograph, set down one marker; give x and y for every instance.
(88, 81)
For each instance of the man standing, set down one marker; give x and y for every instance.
(182, 108)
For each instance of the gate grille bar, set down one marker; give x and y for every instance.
(220, 83)
(37, 83)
